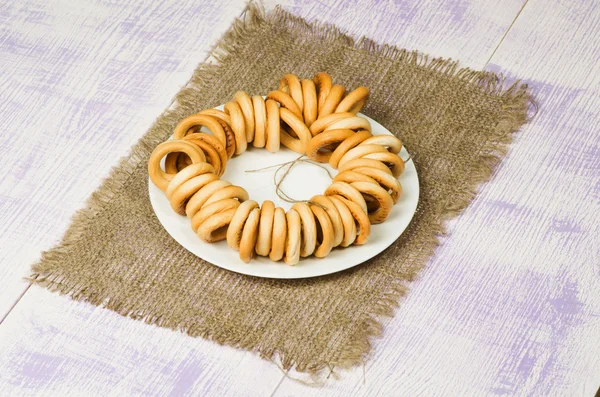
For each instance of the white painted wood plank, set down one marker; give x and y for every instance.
(53, 346)
(510, 305)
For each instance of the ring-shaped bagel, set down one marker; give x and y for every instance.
(364, 162)
(385, 179)
(243, 99)
(353, 123)
(392, 143)
(228, 192)
(218, 159)
(286, 102)
(299, 144)
(321, 147)
(359, 152)
(334, 216)
(195, 122)
(265, 228)
(273, 126)
(320, 124)
(348, 222)
(279, 235)
(225, 122)
(346, 145)
(348, 191)
(238, 125)
(326, 238)
(215, 227)
(211, 209)
(293, 237)
(260, 121)
(361, 218)
(352, 176)
(181, 195)
(309, 229)
(249, 235)
(309, 97)
(157, 175)
(294, 88)
(196, 202)
(234, 232)
(391, 160)
(186, 174)
(354, 101)
(323, 84)
(333, 100)
(384, 199)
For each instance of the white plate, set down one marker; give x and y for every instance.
(303, 182)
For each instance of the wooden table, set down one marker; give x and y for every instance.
(509, 304)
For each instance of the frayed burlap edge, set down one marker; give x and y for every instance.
(515, 98)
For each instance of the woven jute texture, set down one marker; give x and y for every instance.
(455, 122)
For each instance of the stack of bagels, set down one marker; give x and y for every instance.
(315, 118)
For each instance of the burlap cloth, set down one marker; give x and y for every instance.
(456, 123)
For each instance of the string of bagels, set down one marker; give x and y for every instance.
(314, 118)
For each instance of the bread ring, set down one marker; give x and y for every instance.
(385, 179)
(391, 160)
(225, 122)
(238, 125)
(273, 126)
(298, 126)
(211, 209)
(260, 121)
(249, 235)
(321, 147)
(333, 100)
(157, 175)
(215, 227)
(348, 223)
(294, 86)
(360, 151)
(186, 174)
(323, 84)
(234, 232)
(243, 99)
(353, 176)
(309, 97)
(286, 102)
(384, 199)
(215, 143)
(320, 124)
(309, 229)
(392, 143)
(348, 191)
(334, 217)
(265, 228)
(279, 235)
(354, 123)
(364, 162)
(346, 145)
(213, 157)
(197, 121)
(354, 101)
(181, 195)
(292, 239)
(196, 202)
(325, 235)
(176, 161)
(361, 219)
(228, 192)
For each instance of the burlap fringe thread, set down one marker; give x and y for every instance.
(254, 17)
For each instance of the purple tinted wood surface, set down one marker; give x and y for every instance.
(509, 305)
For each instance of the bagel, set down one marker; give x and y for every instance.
(309, 98)
(361, 219)
(238, 125)
(195, 122)
(245, 102)
(334, 216)
(160, 178)
(321, 147)
(385, 179)
(279, 235)
(187, 174)
(225, 122)
(333, 100)
(325, 234)
(265, 228)
(180, 196)
(392, 143)
(200, 197)
(353, 123)
(286, 102)
(309, 229)
(320, 124)
(228, 192)
(346, 145)
(349, 192)
(236, 226)
(273, 126)
(364, 162)
(215, 227)
(292, 239)
(299, 144)
(348, 222)
(354, 101)
(360, 151)
(260, 121)
(391, 160)
(214, 208)
(323, 84)
(294, 89)
(383, 198)
(249, 235)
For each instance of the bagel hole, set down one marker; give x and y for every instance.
(328, 149)
(372, 203)
(319, 233)
(289, 130)
(219, 233)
